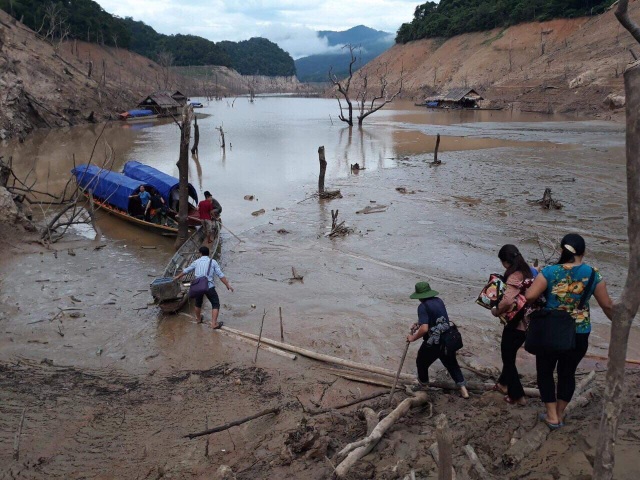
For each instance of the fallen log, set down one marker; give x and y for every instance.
(264, 347)
(235, 423)
(354, 452)
(535, 437)
(477, 464)
(321, 357)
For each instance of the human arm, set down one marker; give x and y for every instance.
(512, 290)
(190, 268)
(536, 289)
(216, 209)
(418, 333)
(604, 300)
(226, 283)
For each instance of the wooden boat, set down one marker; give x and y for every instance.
(112, 192)
(186, 254)
(137, 115)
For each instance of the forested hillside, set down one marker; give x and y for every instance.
(453, 17)
(86, 20)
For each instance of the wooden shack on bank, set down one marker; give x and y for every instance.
(455, 98)
(180, 98)
(162, 103)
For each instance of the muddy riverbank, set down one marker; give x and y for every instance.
(445, 226)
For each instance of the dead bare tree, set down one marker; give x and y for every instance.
(370, 102)
(183, 175)
(54, 26)
(165, 60)
(626, 308)
(343, 87)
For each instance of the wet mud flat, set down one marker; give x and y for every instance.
(445, 225)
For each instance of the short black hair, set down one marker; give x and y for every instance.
(207, 194)
(204, 251)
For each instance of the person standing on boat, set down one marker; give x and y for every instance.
(209, 209)
(144, 197)
(207, 267)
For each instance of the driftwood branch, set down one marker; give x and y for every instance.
(235, 423)
(622, 14)
(354, 452)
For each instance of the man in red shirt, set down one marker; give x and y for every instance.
(209, 209)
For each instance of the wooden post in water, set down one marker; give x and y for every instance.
(435, 153)
(183, 176)
(323, 169)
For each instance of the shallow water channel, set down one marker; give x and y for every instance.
(353, 302)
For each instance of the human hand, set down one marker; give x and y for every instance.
(410, 338)
(229, 287)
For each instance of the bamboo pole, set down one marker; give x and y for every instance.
(267, 348)
(321, 357)
(395, 380)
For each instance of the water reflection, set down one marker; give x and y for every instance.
(275, 144)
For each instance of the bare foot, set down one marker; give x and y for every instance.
(464, 393)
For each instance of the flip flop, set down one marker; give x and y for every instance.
(220, 324)
(552, 426)
(496, 388)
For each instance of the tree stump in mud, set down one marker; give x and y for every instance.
(323, 169)
(547, 201)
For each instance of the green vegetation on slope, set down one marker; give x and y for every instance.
(86, 20)
(453, 17)
(259, 56)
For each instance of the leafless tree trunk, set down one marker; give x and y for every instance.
(222, 144)
(626, 308)
(183, 175)
(445, 447)
(323, 169)
(165, 60)
(369, 103)
(343, 87)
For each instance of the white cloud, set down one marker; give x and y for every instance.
(289, 23)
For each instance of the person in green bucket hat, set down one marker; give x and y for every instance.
(433, 322)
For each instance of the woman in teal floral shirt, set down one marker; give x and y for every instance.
(563, 285)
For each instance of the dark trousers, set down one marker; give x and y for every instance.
(512, 340)
(429, 354)
(567, 363)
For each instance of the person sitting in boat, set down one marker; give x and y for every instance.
(208, 210)
(156, 209)
(144, 197)
(207, 267)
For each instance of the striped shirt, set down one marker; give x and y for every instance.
(201, 267)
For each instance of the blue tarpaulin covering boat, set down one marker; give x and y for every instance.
(140, 113)
(165, 184)
(111, 187)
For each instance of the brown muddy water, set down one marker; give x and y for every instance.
(353, 302)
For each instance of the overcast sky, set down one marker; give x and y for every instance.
(289, 23)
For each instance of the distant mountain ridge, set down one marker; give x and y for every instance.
(369, 44)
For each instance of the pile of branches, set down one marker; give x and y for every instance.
(338, 229)
(547, 201)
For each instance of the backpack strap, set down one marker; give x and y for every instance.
(587, 289)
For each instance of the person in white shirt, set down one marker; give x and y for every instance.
(207, 267)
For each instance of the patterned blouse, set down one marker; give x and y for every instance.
(565, 286)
